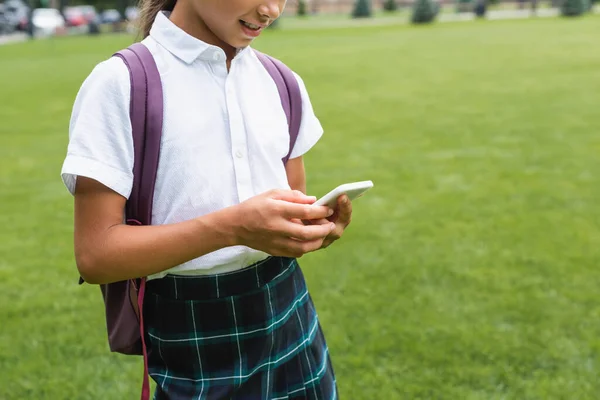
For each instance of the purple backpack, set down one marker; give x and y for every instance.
(124, 300)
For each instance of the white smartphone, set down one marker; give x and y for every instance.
(353, 190)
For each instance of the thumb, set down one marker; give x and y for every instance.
(294, 196)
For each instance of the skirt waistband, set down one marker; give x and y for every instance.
(208, 287)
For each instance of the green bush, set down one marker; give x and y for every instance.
(574, 8)
(424, 11)
(362, 9)
(301, 8)
(390, 5)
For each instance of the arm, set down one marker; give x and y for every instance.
(107, 251)
(295, 174)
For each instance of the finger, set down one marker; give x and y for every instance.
(336, 233)
(304, 211)
(293, 196)
(321, 221)
(297, 249)
(287, 247)
(309, 232)
(283, 250)
(326, 243)
(344, 210)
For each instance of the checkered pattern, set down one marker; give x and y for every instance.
(247, 335)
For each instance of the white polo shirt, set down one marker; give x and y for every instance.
(224, 135)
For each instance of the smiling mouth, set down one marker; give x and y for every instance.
(250, 26)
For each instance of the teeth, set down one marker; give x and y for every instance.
(251, 26)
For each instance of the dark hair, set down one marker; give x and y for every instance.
(149, 9)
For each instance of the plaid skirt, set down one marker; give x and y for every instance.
(247, 335)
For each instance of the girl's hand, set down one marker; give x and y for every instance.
(267, 223)
(341, 217)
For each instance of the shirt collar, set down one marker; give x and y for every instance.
(181, 44)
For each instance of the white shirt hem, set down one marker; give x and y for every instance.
(234, 266)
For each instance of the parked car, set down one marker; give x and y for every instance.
(47, 21)
(5, 25)
(132, 13)
(16, 12)
(74, 16)
(80, 15)
(90, 14)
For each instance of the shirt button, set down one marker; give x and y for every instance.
(217, 57)
(239, 154)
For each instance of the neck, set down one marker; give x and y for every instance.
(190, 22)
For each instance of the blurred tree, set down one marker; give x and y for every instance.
(390, 5)
(591, 4)
(480, 8)
(362, 9)
(121, 6)
(32, 4)
(424, 11)
(574, 8)
(301, 11)
(534, 5)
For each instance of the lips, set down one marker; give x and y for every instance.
(250, 29)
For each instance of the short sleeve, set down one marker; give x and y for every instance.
(310, 126)
(100, 142)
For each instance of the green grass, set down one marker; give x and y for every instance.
(470, 271)
(381, 17)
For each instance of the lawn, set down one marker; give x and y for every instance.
(381, 17)
(470, 271)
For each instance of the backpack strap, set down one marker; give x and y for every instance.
(146, 110)
(289, 92)
(146, 113)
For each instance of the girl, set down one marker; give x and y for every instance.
(227, 314)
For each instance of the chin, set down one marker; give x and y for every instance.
(241, 43)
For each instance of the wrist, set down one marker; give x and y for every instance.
(225, 225)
